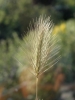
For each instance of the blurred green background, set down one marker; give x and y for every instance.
(15, 18)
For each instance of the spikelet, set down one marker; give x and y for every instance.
(39, 49)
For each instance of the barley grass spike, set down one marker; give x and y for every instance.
(40, 48)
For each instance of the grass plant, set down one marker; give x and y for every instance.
(39, 49)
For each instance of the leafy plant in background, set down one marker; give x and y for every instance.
(39, 49)
(66, 32)
(8, 66)
(68, 50)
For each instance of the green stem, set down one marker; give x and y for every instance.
(36, 88)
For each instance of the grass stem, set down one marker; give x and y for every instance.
(36, 88)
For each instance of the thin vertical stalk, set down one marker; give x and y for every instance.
(36, 88)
